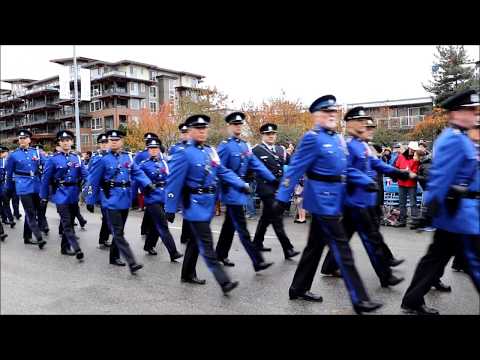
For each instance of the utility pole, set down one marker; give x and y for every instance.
(77, 114)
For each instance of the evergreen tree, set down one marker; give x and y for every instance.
(452, 71)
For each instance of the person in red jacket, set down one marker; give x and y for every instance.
(407, 160)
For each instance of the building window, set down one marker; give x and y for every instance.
(131, 70)
(153, 106)
(143, 104)
(153, 91)
(153, 75)
(85, 139)
(134, 104)
(109, 122)
(134, 119)
(96, 90)
(96, 124)
(96, 105)
(142, 87)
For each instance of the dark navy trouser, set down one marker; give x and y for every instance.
(235, 221)
(105, 228)
(445, 245)
(31, 205)
(202, 241)
(156, 213)
(120, 246)
(328, 230)
(67, 214)
(359, 220)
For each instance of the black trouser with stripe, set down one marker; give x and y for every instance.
(67, 214)
(186, 234)
(147, 223)
(16, 205)
(156, 213)
(328, 230)
(445, 245)
(235, 221)
(359, 220)
(120, 246)
(105, 228)
(269, 217)
(31, 205)
(202, 242)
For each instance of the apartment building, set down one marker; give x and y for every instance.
(119, 92)
(402, 114)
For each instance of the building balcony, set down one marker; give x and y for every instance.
(400, 122)
(65, 115)
(119, 75)
(10, 99)
(39, 107)
(39, 92)
(120, 92)
(4, 126)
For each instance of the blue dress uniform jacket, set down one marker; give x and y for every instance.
(3, 174)
(65, 172)
(322, 152)
(236, 155)
(142, 155)
(118, 168)
(157, 170)
(88, 188)
(454, 162)
(197, 166)
(24, 171)
(176, 147)
(360, 158)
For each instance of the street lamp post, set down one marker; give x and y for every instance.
(77, 113)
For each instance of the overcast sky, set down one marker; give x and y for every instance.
(253, 73)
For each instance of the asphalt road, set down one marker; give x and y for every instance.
(37, 281)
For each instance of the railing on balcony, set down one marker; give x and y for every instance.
(94, 76)
(400, 122)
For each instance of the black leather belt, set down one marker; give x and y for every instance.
(473, 195)
(26, 173)
(326, 178)
(65, 183)
(160, 184)
(117, 184)
(203, 190)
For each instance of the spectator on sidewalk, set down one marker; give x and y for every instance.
(408, 160)
(386, 155)
(397, 150)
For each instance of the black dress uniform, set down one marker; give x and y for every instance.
(452, 198)
(274, 158)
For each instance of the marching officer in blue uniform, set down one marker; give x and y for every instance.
(452, 200)
(104, 234)
(356, 214)
(195, 170)
(7, 216)
(322, 156)
(236, 155)
(23, 178)
(274, 157)
(6, 213)
(114, 173)
(64, 173)
(186, 235)
(156, 168)
(147, 222)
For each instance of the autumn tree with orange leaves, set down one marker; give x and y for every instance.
(431, 126)
(161, 123)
